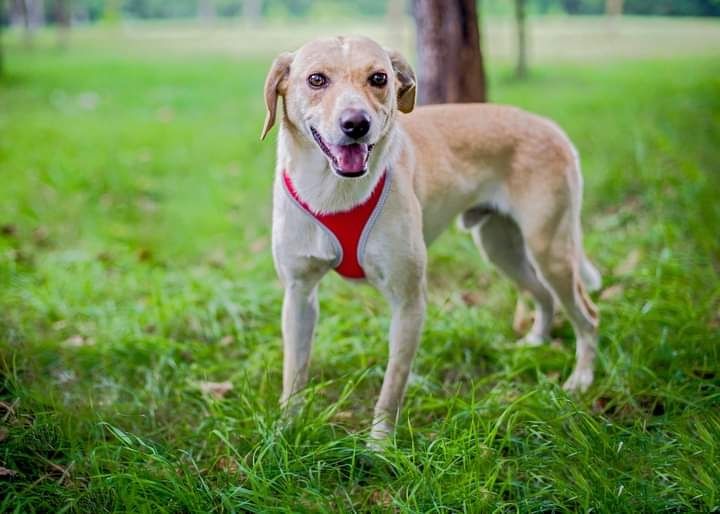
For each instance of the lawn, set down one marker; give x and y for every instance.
(140, 354)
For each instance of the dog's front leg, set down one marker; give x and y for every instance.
(299, 316)
(408, 314)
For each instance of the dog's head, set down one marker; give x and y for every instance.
(343, 94)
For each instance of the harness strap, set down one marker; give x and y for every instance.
(348, 229)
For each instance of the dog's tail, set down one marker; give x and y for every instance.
(474, 216)
(589, 274)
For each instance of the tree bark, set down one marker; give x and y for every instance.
(63, 17)
(395, 16)
(206, 10)
(2, 54)
(36, 13)
(450, 63)
(521, 30)
(20, 15)
(252, 11)
(614, 7)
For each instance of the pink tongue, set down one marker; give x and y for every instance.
(350, 158)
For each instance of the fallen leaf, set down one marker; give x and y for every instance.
(77, 341)
(41, 235)
(8, 230)
(144, 156)
(144, 254)
(147, 204)
(556, 344)
(612, 292)
(165, 114)
(227, 464)
(64, 376)
(88, 100)
(258, 245)
(227, 340)
(19, 256)
(7, 473)
(233, 169)
(215, 389)
(599, 405)
(715, 321)
(382, 498)
(217, 259)
(553, 376)
(523, 318)
(105, 257)
(9, 409)
(471, 298)
(629, 264)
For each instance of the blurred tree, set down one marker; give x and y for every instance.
(298, 7)
(613, 7)
(395, 16)
(521, 30)
(111, 12)
(450, 63)
(21, 13)
(643, 7)
(63, 18)
(2, 28)
(673, 7)
(206, 10)
(252, 11)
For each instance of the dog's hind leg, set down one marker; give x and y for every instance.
(552, 240)
(500, 239)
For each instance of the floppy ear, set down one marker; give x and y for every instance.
(274, 86)
(406, 76)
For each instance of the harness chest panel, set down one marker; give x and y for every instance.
(349, 229)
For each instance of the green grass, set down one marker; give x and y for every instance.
(135, 265)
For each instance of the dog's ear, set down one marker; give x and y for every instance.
(406, 76)
(275, 84)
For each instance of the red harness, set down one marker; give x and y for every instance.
(349, 229)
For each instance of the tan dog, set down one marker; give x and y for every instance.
(513, 177)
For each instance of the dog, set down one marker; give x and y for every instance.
(365, 182)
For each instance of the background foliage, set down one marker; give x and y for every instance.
(94, 10)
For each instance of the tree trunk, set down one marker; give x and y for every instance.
(395, 16)
(521, 30)
(2, 54)
(36, 13)
(20, 15)
(252, 11)
(614, 7)
(450, 63)
(206, 10)
(63, 17)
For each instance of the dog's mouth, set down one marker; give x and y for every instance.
(349, 161)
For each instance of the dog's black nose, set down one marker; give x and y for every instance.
(355, 123)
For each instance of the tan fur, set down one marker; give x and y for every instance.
(514, 177)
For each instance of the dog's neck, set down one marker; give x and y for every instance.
(318, 186)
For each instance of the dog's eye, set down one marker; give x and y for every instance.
(317, 80)
(378, 79)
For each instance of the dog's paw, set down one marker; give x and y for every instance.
(377, 445)
(531, 340)
(380, 436)
(291, 408)
(579, 381)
